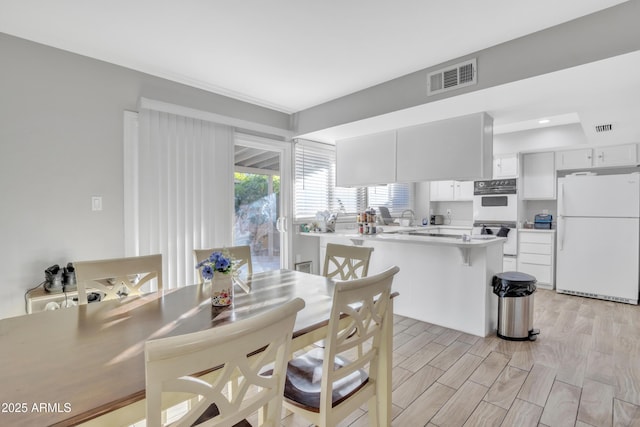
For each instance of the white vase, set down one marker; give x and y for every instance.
(221, 289)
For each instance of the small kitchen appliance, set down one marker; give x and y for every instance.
(436, 219)
(543, 221)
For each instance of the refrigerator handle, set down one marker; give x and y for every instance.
(561, 231)
(561, 197)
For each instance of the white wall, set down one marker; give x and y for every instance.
(539, 139)
(61, 141)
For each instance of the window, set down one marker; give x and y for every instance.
(397, 197)
(315, 189)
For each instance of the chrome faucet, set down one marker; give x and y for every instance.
(411, 218)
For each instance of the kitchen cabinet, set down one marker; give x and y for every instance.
(509, 264)
(451, 191)
(505, 166)
(618, 155)
(574, 159)
(536, 255)
(460, 148)
(538, 176)
(366, 160)
(441, 191)
(463, 191)
(598, 157)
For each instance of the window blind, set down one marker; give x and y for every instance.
(396, 197)
(315, 189)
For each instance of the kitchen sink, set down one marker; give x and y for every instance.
(421, 233)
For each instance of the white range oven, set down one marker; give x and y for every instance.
(495, 211)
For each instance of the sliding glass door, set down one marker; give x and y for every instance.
(262, 182)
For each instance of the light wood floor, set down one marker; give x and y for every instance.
(584, 370)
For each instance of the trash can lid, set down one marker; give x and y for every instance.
(513, 284)
(516, 276)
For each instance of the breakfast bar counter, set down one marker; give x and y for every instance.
(443, 280)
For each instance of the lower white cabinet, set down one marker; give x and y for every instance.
(509, 264)
(536, 255)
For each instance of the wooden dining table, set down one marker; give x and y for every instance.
(85, 364)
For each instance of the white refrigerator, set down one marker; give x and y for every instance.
(599, 236)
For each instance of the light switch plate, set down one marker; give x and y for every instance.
(96, 203)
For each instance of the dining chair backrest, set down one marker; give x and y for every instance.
(241, 256)
(117, 277)
(243, 347)
(346, 370)
(346, 262)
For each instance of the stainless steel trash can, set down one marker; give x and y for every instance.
(515, 305)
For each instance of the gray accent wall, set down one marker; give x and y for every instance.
(581, 41)
(61, 142)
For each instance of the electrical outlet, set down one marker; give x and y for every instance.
(449, 212)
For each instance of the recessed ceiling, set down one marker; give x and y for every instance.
(566, 96)
(284, 54)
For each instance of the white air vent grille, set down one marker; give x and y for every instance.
(452, 77)
(604, 128)
(598, 296)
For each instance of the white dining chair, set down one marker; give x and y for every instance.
(241, 257)
(118, 277)
(325, 385)
(246, 346)
(346, 262)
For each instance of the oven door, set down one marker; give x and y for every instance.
(495, 207)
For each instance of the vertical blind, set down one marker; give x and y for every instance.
(315, 189)
(185, 194)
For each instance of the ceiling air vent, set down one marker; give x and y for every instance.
(452, 77)
(604, 128)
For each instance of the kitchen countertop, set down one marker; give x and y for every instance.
(538, 230)
(397, 234)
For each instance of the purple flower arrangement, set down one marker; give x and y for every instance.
(216, 262)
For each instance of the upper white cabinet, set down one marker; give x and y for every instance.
(538, 176)
(463, 190)
(617, 155)
(574, 159)
(366, 160)
(505, 166)
(441, 190)
(451, 191)
(458, 148)
(609, 156)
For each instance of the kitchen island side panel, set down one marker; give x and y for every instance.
(436, 287)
